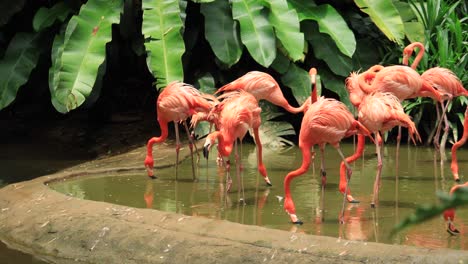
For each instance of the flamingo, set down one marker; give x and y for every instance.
(442, 79)
(176, 103)
(459, 143)
(262, 86)
(449, 214)
(326, 121)
(238, 113)
(380, 112)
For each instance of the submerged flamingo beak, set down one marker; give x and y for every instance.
(206, 151)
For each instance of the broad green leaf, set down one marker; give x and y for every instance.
(281, 63)
(330, 22)
(327, 50)
(84, 50)
(385, 16)
(365, 56)
(415, 31)
(162, 28)
(256, 31)
(8, 9)
(286, 24)
(45, 17)
(299, 81)
(221, 31)
(56, 58)
(335, 84)
(20, 59)
(205, 84)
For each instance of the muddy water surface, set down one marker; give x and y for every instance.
(412, 179)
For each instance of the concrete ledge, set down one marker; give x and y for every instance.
(63, 229)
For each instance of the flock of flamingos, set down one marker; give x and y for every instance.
(376, 93)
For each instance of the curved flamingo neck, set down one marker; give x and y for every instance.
(459, 143)
(160, 139)
(306, 155)
(409, 50)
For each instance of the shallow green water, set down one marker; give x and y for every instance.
(420, 177)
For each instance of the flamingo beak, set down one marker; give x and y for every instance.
(363, 130)
(206, 149)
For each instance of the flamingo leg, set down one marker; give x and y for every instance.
(260, 165)
(378, 145)
(191, 144)
(241, 168)
(323, 173)
(227, 165)
(176, 126)
(240, 188)
(348, 174)
(440, 119)
(443, 141)
(398, 141)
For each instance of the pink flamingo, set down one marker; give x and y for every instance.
(449, 214)
(262, 86)
(442, 79)
(380, 112)
(459, 143)
(325, 121)
(238, 113)
(176, 103)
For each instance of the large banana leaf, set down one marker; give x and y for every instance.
(8, 9)
(221, 31)
(299, 81)
(325, 49)
(20, 59)
(335, 84)
(330, 22)
(162, 27)
(385, 16)
(84, 50)
(45, 17)
(287, 28)
(256, 31)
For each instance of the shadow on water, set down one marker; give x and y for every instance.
(407, 182)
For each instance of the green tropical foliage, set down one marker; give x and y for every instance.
(429, 211)
(285, 36)
(445, 35)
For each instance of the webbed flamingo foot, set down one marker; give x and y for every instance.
(295, 220)
(351, 199)
(452, 230)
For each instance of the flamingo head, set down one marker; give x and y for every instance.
(361, 129)
(209, 142)
(313, 74)
(354, 90)
(406, 55)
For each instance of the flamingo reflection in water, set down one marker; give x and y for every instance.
(449, 214)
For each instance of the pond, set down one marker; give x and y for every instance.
(412, 180)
